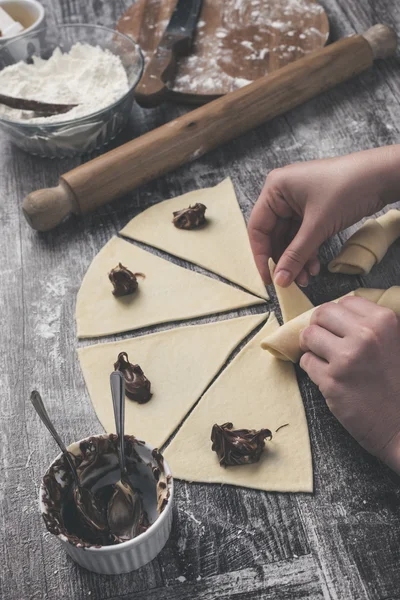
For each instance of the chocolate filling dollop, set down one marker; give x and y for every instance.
(137, 386)
(191, 217)
(238, 446)
(124, 281)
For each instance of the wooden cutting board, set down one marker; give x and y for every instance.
(237, 41)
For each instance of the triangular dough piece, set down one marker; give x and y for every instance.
(221, 246)
(180, 363)
(292, 301)
(168, 293)
(254, 391)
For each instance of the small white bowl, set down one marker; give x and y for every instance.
(27, 12)
(127, 556)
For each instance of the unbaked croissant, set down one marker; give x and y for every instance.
(284, 342)
(367, 246)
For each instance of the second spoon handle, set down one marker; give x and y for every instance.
(37, 402)
(117, 383)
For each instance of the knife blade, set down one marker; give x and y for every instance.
(176, 41)
(184, 18)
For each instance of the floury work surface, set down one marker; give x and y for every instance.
(340, 543)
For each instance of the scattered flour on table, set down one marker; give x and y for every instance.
(46, 314)
(87, 75)
(236, 52)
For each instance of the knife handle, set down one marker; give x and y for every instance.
(152, 88)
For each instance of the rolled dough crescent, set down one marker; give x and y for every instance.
(367, 246)
(254, 391)
(292, 301)
(222, 246)
(168, 293)
(284, 342)
(180, 363)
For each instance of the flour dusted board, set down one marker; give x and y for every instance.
(237, 41)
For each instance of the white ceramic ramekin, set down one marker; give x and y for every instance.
(28, 12)
(127, 556)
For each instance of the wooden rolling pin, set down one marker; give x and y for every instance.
(190, 136)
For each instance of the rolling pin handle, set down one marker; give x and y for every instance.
(382, 39)
(44, 209)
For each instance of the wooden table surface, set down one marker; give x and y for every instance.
(342, 542)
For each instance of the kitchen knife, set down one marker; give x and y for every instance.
(176, 41)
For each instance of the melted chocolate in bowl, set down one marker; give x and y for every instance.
(96, 459)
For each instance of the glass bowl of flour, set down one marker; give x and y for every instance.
(92, 67)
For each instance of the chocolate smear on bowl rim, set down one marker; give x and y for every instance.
(163, 488)
(192, 217)
(124, 281)
(137, 386)
(60, 515)
(238, 446)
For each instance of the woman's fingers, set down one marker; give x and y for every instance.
(311, 269)
(334, 317)
(261, 225)
(313, 266)
(303, 278)
(303, 247)
(320, 342)
(269, 219)
(315, 367)
(357, 306)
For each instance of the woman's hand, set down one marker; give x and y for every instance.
(352, 352)
(304, 204)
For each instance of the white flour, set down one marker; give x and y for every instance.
(87, 75)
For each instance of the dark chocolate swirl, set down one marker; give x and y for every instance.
(238, 446)
(137, 386)
(191, 217)
(124, 281)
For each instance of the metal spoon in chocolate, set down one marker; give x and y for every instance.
(125, 510)
(85, 501)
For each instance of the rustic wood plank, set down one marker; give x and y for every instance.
(338, 544)
(21, 551)
(219, 529)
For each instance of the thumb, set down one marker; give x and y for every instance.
(303, 247)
